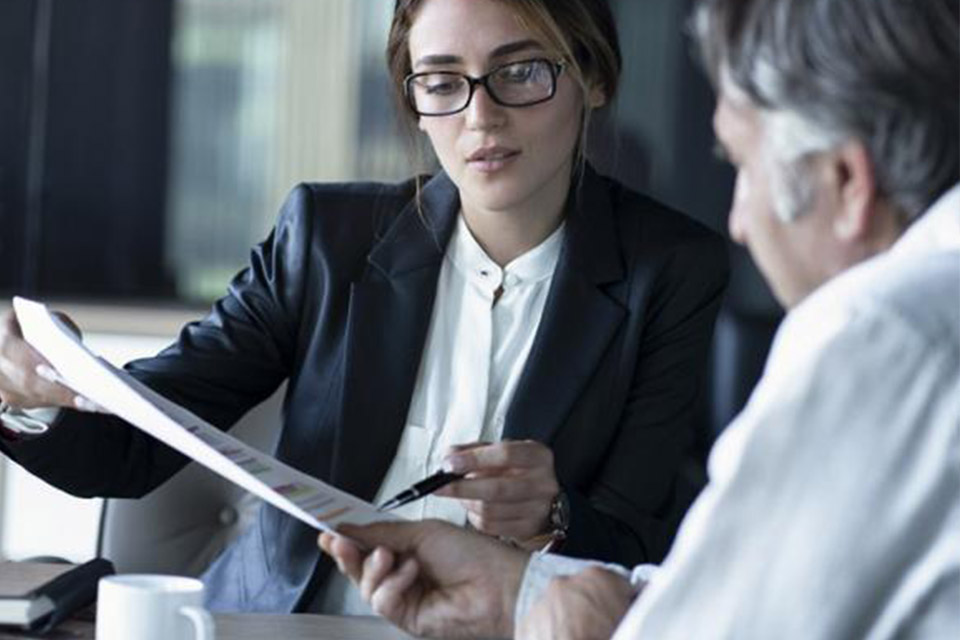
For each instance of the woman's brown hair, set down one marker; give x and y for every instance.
(581, 31)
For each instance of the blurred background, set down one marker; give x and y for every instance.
(146, 146)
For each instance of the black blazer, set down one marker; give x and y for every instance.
(338, 300)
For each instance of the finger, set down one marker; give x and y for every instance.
(522, 530)
(324, 541)
(398, 536)
(23, 385)
(80, 403)
(348, 557)
(376, 567)
(388, 599)
(9, 326)
(526, 454)
(466, 446)
(85, 404)
(523, 488)
(505, 511)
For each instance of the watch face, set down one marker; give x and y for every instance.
(560, 512)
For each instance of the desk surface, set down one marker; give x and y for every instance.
(18, 577)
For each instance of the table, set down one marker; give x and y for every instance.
(18, 577)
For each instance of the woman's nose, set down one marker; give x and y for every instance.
(483, 112)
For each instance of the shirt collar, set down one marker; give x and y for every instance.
(535, 265)
(937, 229)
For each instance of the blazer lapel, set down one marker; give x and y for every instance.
(389, 315)
(579, 320)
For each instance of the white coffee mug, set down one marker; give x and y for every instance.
(152, 607)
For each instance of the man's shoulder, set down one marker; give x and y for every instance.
(919, 291)
(875, 309)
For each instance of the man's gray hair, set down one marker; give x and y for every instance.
(885, 72)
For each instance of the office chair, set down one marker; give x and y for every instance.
(180, 527)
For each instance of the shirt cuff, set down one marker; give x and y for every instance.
(26, 423)
(543, 568)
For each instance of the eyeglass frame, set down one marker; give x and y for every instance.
(556, 68)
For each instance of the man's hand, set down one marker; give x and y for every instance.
(26, 379)
(431, 578)
(508, 489)
(585, 606)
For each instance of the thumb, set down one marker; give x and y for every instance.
(396, 536)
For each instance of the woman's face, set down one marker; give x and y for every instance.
(501, 158)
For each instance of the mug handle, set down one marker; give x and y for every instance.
(202, 621)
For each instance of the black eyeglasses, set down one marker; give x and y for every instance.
(517, 84)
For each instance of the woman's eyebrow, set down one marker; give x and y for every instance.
(434, 60)
(515, 47)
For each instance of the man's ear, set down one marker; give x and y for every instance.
(855, 190)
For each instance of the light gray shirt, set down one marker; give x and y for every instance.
(833, 508)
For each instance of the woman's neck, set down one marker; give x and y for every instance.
(507, 234)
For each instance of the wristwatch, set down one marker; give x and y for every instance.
(559, 520)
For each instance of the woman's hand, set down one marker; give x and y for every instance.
(26, 379)
(508, 489)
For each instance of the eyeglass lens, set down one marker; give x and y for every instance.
(514, 85)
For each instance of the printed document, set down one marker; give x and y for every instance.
(316, 503)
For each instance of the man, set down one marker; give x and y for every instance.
(833, 508)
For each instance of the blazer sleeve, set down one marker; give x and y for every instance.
(219, 368)
(630, 513)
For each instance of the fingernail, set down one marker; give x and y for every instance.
(454, 464)
(47, 373)
(85, 405)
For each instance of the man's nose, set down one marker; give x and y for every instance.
(735, 224)
(735, 221)
(483, 112)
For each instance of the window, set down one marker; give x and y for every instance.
(146, 146)
(266, 94)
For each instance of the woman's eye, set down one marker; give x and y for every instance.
(517, 73)
(441, 88)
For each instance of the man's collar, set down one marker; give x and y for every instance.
(938, 228)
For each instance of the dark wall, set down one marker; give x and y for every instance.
(659, 139)
(16, 25)
(84, 146)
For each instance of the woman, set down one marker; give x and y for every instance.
(545, 325)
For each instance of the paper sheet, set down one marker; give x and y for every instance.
(316, 503)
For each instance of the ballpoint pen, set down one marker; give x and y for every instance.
(423, 488)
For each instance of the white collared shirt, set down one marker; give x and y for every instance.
(474, 354)
(833, 508)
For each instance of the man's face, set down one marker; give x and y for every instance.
(794, 257)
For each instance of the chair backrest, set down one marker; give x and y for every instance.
(184, 524)
(744, 333)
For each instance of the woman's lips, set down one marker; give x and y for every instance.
(491, 160)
